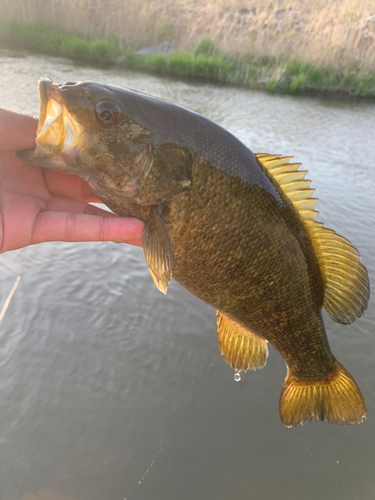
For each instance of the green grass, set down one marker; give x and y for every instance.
(204, 61)
(206, 46)
(42, 38)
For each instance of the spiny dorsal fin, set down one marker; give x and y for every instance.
(346, 282)
(292, 182)
(242, 349)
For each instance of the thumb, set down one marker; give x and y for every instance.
(16, 131)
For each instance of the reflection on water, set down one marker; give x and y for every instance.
(102, 376)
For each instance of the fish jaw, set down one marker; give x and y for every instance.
(51, 127)
(59, 136)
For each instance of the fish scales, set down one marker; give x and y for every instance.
(246, 270)
(236, 229)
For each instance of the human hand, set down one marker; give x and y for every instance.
(38, 205)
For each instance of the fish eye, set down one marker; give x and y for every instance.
(107, 113)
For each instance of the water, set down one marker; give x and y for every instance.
(110, 390)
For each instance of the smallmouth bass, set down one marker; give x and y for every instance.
(236, 229)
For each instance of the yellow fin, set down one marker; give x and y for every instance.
(158, 251)
(292, 182)
(346, 282)
(162, 283)
(335, 399)
(241, 349)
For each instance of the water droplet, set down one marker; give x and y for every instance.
(237, 377)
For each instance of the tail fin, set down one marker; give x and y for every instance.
(335, 399)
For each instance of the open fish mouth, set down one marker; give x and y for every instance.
(57, 130)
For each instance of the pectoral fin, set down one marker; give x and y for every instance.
(158, 251)
(242, 349)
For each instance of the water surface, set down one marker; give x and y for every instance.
(110, 390)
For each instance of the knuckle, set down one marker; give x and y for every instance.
(103, 229)
(70, 226)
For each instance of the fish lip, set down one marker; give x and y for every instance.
(57, 130)
(43, 93)
(48, 91)
(51, 129)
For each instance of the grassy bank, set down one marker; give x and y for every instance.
(319, 32)
(204, 60)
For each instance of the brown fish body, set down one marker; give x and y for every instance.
(234, 229)
(261, 272)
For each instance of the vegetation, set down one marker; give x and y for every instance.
(41, 38)
(205, 60)
(320, 32)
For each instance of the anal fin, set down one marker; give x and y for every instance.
(242, 349)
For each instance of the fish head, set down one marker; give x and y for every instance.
(112, 137)
(59, 135)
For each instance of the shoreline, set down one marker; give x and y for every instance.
(204, 62)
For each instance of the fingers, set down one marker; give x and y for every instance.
(70, 226)
(16, 131)
(68, 186)
(64, 205)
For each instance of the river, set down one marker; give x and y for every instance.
(110, 390)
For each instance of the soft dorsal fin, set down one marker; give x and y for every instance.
(346, 282)
(347, 286)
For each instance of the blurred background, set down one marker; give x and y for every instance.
(283, 46)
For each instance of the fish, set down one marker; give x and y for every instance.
(234, 228)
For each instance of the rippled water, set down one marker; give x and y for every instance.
(109, 390)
